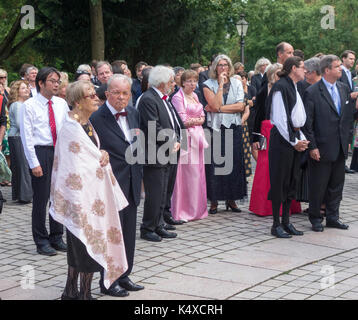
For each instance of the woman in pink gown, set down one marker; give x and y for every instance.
(261, 184)
(189, 196)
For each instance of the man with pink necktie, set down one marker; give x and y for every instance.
(41, 120)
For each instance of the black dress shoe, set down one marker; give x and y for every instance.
(46, 250)
(347, 170)
(336, 224)
(66, 297)
(317, 227)
(172, 221)
(290, 229)
(59, 246)
(279, 232)
(232, 205)
(150, 236)
(114, 291)
(129, 285)
(164, 233)
(169, 227)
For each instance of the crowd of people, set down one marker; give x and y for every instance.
(179, 138)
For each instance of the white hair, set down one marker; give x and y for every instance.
(29, 69)
(120, 77)
(262, 61)
(159, 75)
(84, 67)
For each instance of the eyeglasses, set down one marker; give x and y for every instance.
(3, 77)
(223, 65)
(117, 93)
(92, 96)
(54, 81)
(191, 81)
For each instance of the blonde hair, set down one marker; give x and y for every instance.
(261, 62)
(213, 73)
(14, 91)
(75, 91)
(4, 72)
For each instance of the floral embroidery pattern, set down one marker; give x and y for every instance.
(68, 209)
(113, 178)
(74, 147)
(74, 181)
(114, 235)
(94, 238)
(98, 208)
(113, 272)
(55, 163)
(99, 174)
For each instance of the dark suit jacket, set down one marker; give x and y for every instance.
(136, 90)
(345, 80)
(256, 81)
(325, 128)
(112, 140)
(151, 108)
(203, 76)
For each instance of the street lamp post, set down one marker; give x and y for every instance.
(241, 27)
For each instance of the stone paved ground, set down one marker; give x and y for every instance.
(226, 256)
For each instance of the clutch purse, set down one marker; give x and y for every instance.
(262, 141)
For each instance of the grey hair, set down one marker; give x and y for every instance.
(120, 77)
(262, 61)
(313, 64)
(101, 64)
(75, 91)
(84, 67)
(28, 70)
(271, 70)
(326, 62)
(158, 75)
(212, 72)
(178, 69)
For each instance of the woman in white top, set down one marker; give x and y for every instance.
(287, 114)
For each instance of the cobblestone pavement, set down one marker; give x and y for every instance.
(225, 256)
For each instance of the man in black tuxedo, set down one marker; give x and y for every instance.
(116, 124)
(161, 126)
(329, 121)
(348, 59)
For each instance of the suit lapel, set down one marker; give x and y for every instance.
(327, 96)
(112, 123)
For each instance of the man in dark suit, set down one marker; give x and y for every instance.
(348, 59)
(329, 121)
(115, 123)
(137, 83)
(161, 127)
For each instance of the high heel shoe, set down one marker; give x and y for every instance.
(213, 209)
(232, 206)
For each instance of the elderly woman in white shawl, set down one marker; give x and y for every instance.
(86, 198)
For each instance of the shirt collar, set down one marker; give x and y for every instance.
(42, 99)
(112, 109)
(345, 69)
(328, 84)
(161, 95)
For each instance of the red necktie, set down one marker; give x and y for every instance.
(120, 114)
(164, 97)
(51, 116)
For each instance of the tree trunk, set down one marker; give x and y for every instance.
(97, 29)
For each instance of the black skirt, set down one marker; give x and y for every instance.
(232, 185)
(21, 178)
(284, 164)
(78, 257)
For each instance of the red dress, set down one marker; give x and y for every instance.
(261, 185)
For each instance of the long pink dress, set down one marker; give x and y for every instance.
(189, 200)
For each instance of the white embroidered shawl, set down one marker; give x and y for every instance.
(86, 198)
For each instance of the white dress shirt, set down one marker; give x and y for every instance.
(33, 91)
(122, 122)
(35, 125)
(349, 75)
(279, 117)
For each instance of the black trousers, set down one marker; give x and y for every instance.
(354, 161)
(41, 194)
(155, 181)
(171, 184)
(326, 181)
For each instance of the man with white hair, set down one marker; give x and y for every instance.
(158, 118)
(113, 123)
(30, 76)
